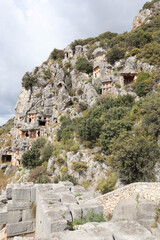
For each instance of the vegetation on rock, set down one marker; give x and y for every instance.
(83, 65)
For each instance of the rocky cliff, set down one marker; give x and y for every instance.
(71, 81)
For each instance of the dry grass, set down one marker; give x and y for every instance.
(3, 180)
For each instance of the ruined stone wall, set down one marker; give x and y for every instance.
(149, 191)
(18, 214)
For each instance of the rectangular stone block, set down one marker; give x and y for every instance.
(14, 216)
(21, 194)
(58, 226)
(91, 206)
(28, 214)
(3, 217)
(14, 229)
(14, 206)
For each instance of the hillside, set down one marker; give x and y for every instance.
(90, 113)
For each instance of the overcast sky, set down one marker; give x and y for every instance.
(30, 29)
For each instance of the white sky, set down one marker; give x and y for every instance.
(31, 29)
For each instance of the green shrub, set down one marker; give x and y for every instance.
(63, 170)
(138, 38)
(98, 89)
(83, 65)
(28, 81)
(57, 54)
(150, 54)
(60, 160)
(107, 35)
(99, 158)
(66, 130)
(134, 156)
(115, 54)
(70, 178)
(39, 175)
(65, 177)
(111, 130)
(47, 152)
(31, 158)
(47, 73)
(82, 106)
(106, 185)
(74, 148)
(149, 5)
(39, 143)
(79, 167)
(143, 84)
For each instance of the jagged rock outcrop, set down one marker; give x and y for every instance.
(145, 14)
(141, 17)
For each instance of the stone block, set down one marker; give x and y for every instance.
(91, 206)
(21, 194)
(59, 226)
(28, 214)
(14, 229)
(76, 211)
(14, 216)
(3, 216)
(77, 190)
(58, 212)
(67, 198)
(50, 195)
(14, 206)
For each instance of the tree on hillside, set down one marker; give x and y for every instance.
(134, 156)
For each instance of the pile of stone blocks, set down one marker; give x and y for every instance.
(60, 204)
(18, 214)
(55, 206)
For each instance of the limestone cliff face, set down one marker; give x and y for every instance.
(141, 17)
(59, 89)
(145, 14)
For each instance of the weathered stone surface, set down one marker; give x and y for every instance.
(21, 194)
(126, 209)
(13, 206)
(138, 209)
(3, 216)
(91, 206)
(67, 198)
(76, 211)
(20, 228)
(125, 230)
(14, 216)
(141, 17)
(28, 214)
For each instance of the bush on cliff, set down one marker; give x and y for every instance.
(31, 158)
(134, 156)
(115, 54)
(39, 175)
(57, 54)
(28, 81)
(83, 65)
(143, 84)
